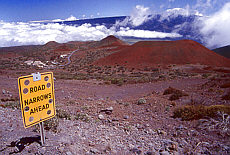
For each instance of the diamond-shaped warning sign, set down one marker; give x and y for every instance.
(36, 98)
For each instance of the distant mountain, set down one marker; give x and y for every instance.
(175, 20)
(224, 51)
(152, 53)
(111, 41)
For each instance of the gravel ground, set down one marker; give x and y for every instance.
(108, 119)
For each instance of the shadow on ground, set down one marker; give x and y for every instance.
(22, 143)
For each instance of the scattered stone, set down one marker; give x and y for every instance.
(164, 153)
(68, 153)
(150, 153)
(43, 150)
(90, 99)
(173, 147)
(61, 149)
(3, 91)
(101, 117)
(135, 150)
(108, 111)
(95, 151)
(139, 126)
(141, 101)
(126, 117)
(161, 132)
(115, 119)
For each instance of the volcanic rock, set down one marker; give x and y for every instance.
(111, 41)
(152, 53)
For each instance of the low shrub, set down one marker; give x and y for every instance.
(11, 104)
(116, 81)
(50, 124)
(63, 114)
(71, 102)
(194, 112)
(225, 85)
(176, 94)
(226, 96)
(9, 99)
(82, 117)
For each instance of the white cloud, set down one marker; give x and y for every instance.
(171, 0)
(15, 34)
(139, 15)
(215, 28)
(145, 33)
(71, 18)
(55, 20)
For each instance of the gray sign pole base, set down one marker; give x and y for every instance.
(42, 132)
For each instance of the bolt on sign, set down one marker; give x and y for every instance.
(36, 98)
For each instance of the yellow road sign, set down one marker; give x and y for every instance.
(37, 99)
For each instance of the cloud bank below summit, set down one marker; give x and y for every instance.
(16, 34)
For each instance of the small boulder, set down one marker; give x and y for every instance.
(164, 153)
(94, 151)
(135, 150)
(141, 101)
(3, 91)
(101, 117)
(108, 111)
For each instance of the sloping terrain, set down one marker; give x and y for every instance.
(111, 41)
(224, 51)
(151, 53)
(178, 109)
(43, 52)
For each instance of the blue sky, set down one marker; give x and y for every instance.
(30, 10)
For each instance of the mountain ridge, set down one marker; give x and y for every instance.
(152, 53)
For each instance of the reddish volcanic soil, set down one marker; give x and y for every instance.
(150, 53)
(111, 41)
(183, 108)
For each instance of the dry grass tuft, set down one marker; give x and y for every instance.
(225, 85)
(194, 112)
(226, 96)
(176, 94)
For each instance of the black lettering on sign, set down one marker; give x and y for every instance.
(34, 99)
(45, 96)
(39, 108)
(26, 102)
(31, 101)
(37, 88)
(37, 99)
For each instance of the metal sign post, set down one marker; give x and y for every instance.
(42, 133)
